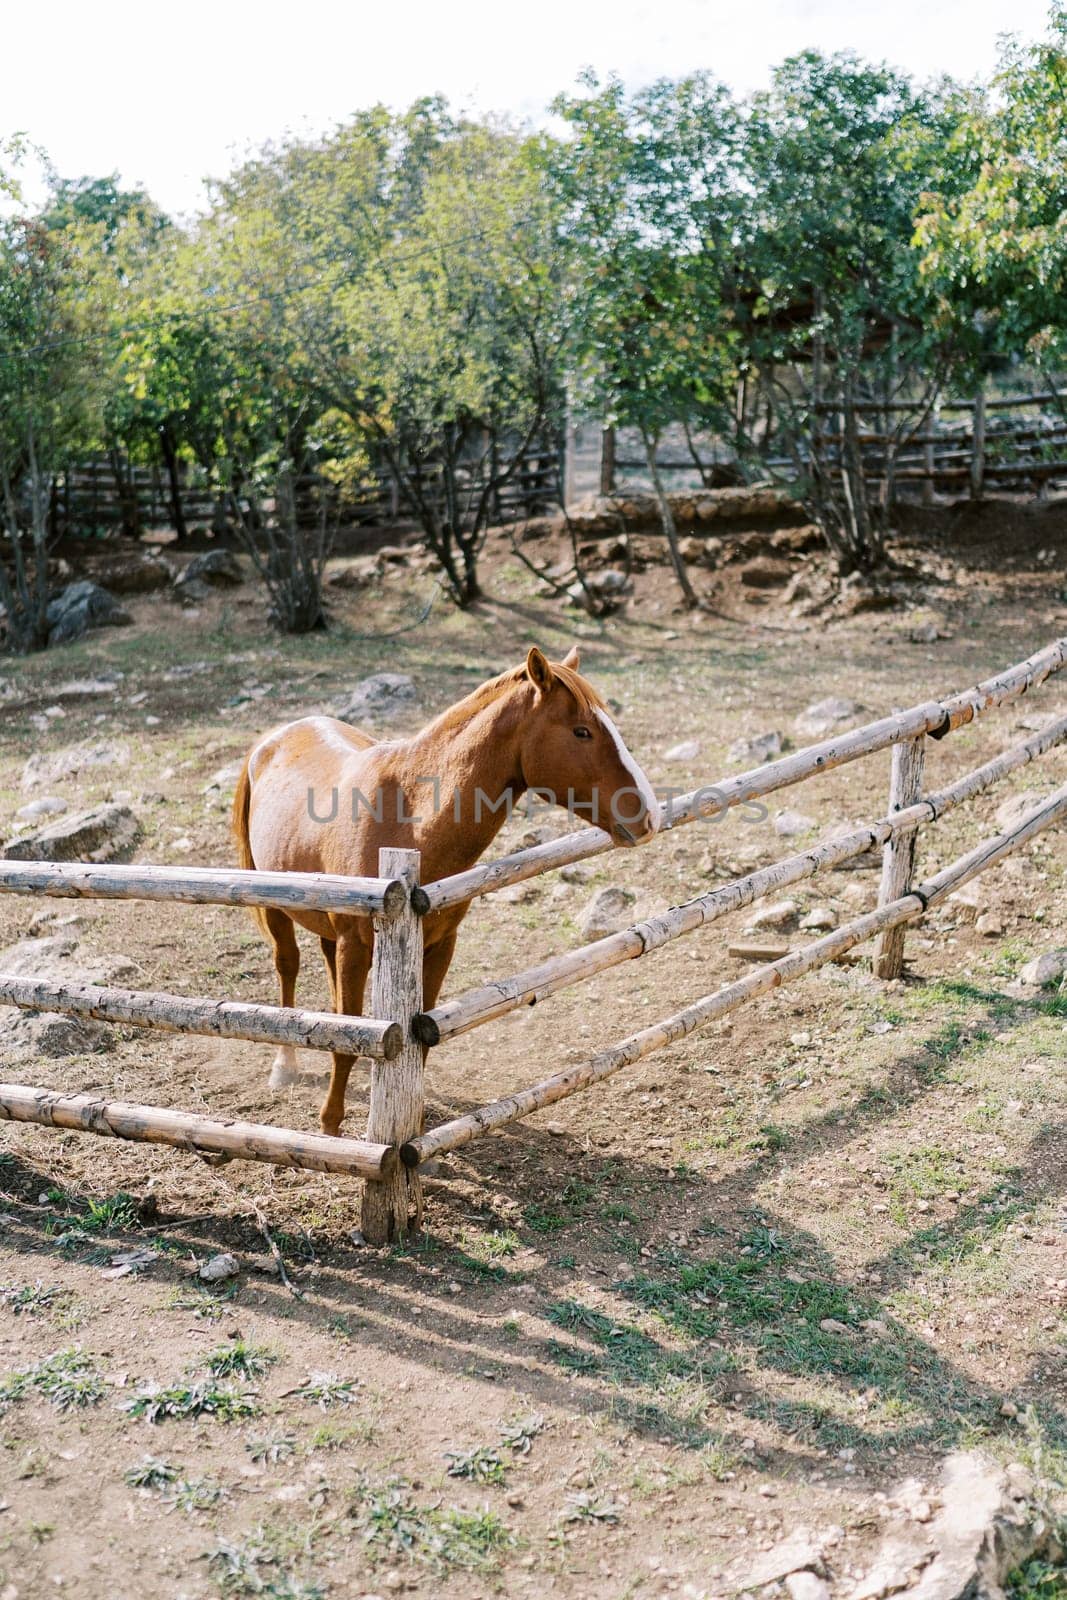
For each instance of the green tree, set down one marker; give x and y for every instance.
(836, 313)
(648, 189)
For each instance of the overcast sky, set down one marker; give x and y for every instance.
(167, 95)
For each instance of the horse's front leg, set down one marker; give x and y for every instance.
(351, 966)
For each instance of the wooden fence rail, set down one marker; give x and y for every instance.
(450, 1135)
(496, 999)
(221, 1019)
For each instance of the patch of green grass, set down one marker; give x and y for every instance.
(68, 1379)
(1037, 1580)
(393, 1523)
(151, 1473)
(109, 1215)
(207, 1305)
(519, 1435)
(484, 1464)
(326, 1389)
(223, 1401)
(30, 1299)
(543, 1220)
(194, 1494)
(239, 1360)
(237, 1570)
(272, 1450)
(489, 1248)
(585, 1507)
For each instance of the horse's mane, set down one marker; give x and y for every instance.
(586, 697)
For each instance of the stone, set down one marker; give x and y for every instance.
(219, 1268)
(990, 1522)
(607, 912)
(220, 786)
(688, 750)
(103, 834)
(780, 914)
(50, 1033)
(749, 950)
(79, 607)
(800, 1552)
(135, 574)
(925, 633)
(72, 762)
(576, 872)
(380, 695)
(990, 925)
(820, 919)
(218, 569)
(827, 714)
(807, 1586)
(788, 823)
(859, 594)
(765, 572)
(759, 748)
(1047, 968)
(46, 957)
(49, 805)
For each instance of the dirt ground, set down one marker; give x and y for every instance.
(751, 1283)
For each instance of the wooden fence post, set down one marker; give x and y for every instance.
(978, 447)
(898, 856)
(607, 461)
(393, 1205)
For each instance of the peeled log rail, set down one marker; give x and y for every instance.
(493, 1000)
(220, 886)
(450, 1135)
(936, 718)
(241, 1141)
(221, 1019)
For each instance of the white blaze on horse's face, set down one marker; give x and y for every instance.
(649, 821)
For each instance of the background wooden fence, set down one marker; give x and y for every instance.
(971, 446)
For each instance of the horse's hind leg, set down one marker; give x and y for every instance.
(352, 961)
(282, 935)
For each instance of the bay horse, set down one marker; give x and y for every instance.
(320, 796)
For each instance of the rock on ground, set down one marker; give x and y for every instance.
(220, 569)
(103, 834)
(134, 574)
(1047, 968)
(828, 714)
(779, 914)
(688, 750)
(377, 696)
(49, 805)
(990, 1521)
(50, 1033)
(51, 958)
(788, 823)
(72, 762)
(761, 747)
(79, 607)
(608, 912)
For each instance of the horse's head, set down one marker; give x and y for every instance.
(572, 750)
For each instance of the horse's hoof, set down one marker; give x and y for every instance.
(282, 1077)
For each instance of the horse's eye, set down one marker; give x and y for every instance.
(582, 733)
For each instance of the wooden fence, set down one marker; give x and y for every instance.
(106, 493)
(398, 1034)
(997, 442)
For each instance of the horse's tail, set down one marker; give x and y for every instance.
(241, 800)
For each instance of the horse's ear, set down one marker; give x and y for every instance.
(572, 659)
(539, 670)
